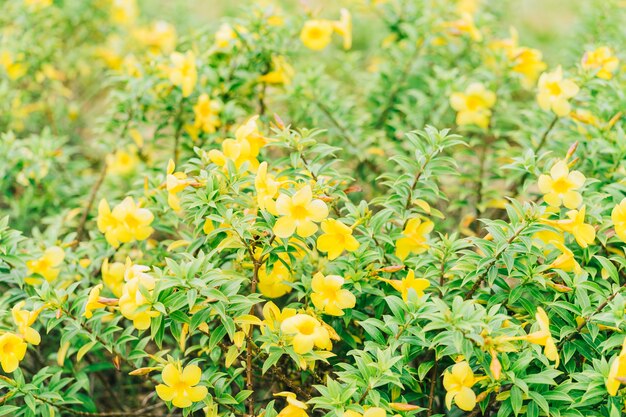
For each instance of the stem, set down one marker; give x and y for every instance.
(433, 384)
(80, 231)
(344, 131)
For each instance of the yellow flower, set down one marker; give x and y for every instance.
(307, 333)
(266, 189)
(249, 131)
(337, 237)
(124, 12)
(132, 302)
(464, 26)
(618, 216)
(317, 34)
(37, 4)
(127, 222)
(93, 302)
(467, 6)
(113, 276)
(243, 149)
(575, 224)
(409, 283)
(560, 186)
(554, 92)
(566, 260)
(123, 161)
(473, 106)
(13, 69)
(273, 316)
(181, 388)
(617, 373)
(160, 37)
(282, 72)
(23, 320)
(343, 27)
(273, 285)
(299, 213)
(415, 235)
(175, 182)
(328, 296)
(48, 266)
(206, 114)
(370, 412)
(183, 72)
(224, 36)
(458, 384)
(529, 63)
(294, 407)
(12, 351)
(601, 60)
(542, 337)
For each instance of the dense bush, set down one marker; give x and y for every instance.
(265, 216)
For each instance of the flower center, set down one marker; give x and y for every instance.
(299, 212)
(561, 186)
(306, 328)
(554, 88)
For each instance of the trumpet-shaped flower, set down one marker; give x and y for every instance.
(575, 224)
(618, 216)
(617, 373)
(601, 60)
(294, 407)
(266, 189)
(566, 260)
(225, 36)
(337, 237)
(328, 296)
(48, 266)
(370, 412)
(159, 37)
(528, 62)
(132, 302)
(12, 351)
(123, 161)
(409, 283)
(24, 319)
(560, 186)
(282, 72)
(317, 34)
(343, 27)
(113, 276)
(124, 12)
(464, 26)
(555, 91)
(175, 182)
(93, 302)
(414, 238)
(181, 388)
(183, 72)
(274, 284)
(307, 332)
(299, 213)
(206, 112)
(542, 337)
(473, 106)
(458, 383)
(127, 222)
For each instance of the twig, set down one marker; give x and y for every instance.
(94, 191)
(433, 384)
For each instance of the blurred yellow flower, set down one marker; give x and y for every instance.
(617, 372)
(299, 213)
(37, 4)
(529, 63)
(282, 72)
(618, 216)
(113, 276)
(464, 26)
(294, 407)
(560, 186)
(415, 236)
(273, 285)
(206, 112)
(159, 37)
(555, 91)
(48, 266)
(336, 238)
(317, 34)
(123, 161)
(601, 60)
(13, 69)
(181, 388)
(307, 332)
(328, 296)
(124, 12)
(183, 72)
(575, 224)
(12, 351)
(343, 27)
(458, 384)
(266, 189)
(175, 182)
(473, 106)
(225, 36)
